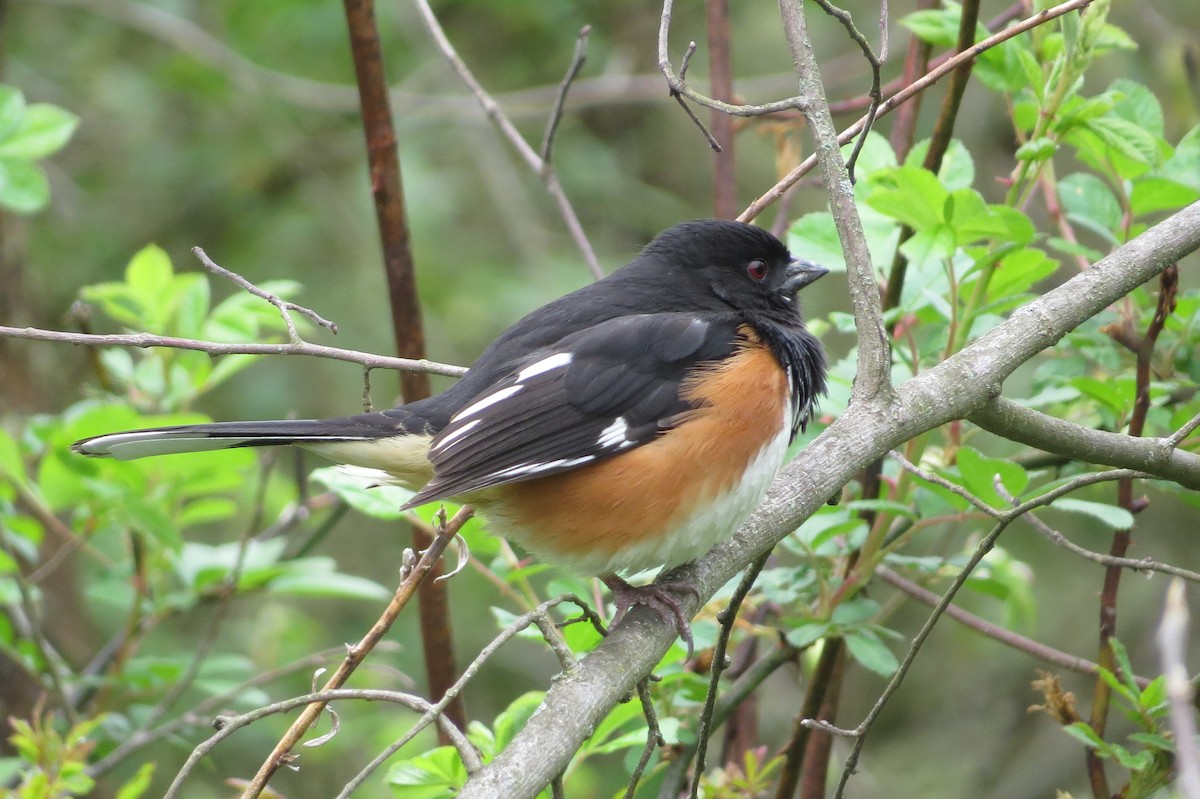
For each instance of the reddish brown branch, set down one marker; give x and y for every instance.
(720, 72)
(387, 189)
(1143, 349)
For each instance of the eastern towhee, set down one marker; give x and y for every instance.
(631, 424)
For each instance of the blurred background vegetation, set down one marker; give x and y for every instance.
(234, 126)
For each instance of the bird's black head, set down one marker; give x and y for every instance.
(743, 265)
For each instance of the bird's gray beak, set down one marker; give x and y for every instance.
(800, 273)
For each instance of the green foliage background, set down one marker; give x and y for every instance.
(233, 126)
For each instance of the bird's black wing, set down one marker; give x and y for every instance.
(594, 394)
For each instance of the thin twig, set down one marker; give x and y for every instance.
(197, 714)
(216, 348)
(509, 131)
(285, 308)
(995, 631)
(560, 100)
(727, 618)
(859, 733)
(678, 85)
(654, 738)
(775, 192)
(674, 781)
(876, 62)
(408, 587)
(539, 617)
(229, 725)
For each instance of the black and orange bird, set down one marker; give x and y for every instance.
(631, 424)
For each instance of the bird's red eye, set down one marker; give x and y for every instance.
(757, 270)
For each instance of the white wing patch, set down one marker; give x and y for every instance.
(555, 361)
(614, 436)
(487, 401)
(455, 434)
(544, 466)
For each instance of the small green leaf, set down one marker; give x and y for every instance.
(911, 195)
(1083, 733)
(1090, 202)
(514, 717)
(858, 610)
(1151, 194)
(1126, 138)
(1017, 272)
(936, 26)
(871, 652)
(979, 473)
(364, 494)
(138, 784)
(43, 130)
(12, 109)
(1037, 150)
(436, 774)
(808, 633)
(149, 272)
(23, 186)
(1111, 516)
(958, 168)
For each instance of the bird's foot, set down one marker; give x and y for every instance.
(657, 597)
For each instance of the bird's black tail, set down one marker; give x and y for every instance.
(367, 427)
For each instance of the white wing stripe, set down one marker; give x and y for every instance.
(490, 399)
(535, 468)
(454, 434)
(555, 361)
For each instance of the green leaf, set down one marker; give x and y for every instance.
(1083, 733)
(1184, 165)
(149, 272)
(936, 26)
(803, 635)
(979, 472)
(1126, 138)
(912, 195)
(871, 652)
(1152, 194)
(43, 130)
(1135, 103)
(363, 493)
(12, 109)
(318, 577)
(138, 784)
(973, 219)
(11, 464)
(436, 774)
(1111, 516)
(1090, 202)
(958, 168)
(514, 717)
(23, 186)
(1017, 272)
(930, 245)
(858, 610)
(1037, 150)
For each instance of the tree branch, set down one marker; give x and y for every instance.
(1156, 456)
(216, 349)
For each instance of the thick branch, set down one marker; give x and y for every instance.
(1157, 456)
(874, 354)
